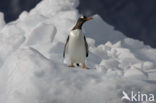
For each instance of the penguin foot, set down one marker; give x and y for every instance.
(84, 66)
(71, 65)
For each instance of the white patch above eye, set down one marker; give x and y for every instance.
(82, 17)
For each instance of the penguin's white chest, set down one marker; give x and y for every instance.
(76, 47)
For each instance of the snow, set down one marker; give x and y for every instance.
(2, 22)
(32, 69)
(94, 29)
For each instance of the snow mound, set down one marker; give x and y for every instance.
(32, 69)
(2, 22)
(94, 29)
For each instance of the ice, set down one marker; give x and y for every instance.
(94, 29)
(30, 21)
(2, 22)
(42, 34)
(134, 73)
(23, 15)
(33, 70)
(52, 7)
(148, 65)
(11, 37)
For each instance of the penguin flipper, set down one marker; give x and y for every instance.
(65, 46)
(86, 47)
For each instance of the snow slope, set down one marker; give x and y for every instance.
(32, 69)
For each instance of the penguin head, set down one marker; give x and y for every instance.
(84, 19)
(80, 22)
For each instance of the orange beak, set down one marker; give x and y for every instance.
(88, 18)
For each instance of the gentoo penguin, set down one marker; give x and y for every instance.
(77, 44)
